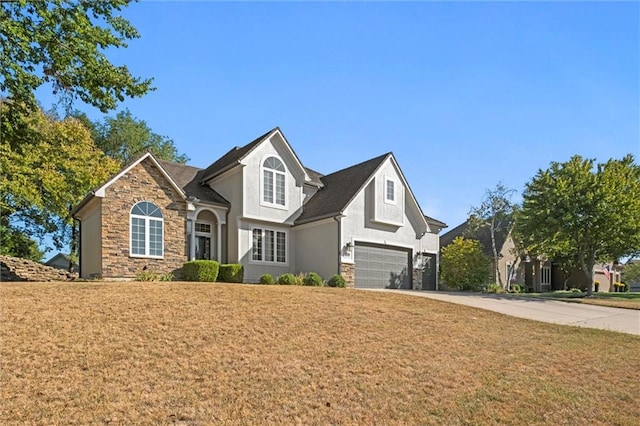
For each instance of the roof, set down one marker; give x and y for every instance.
(483, 235)
(339, 189)
(188, 178)
(435, 222)
(316, 177)
(233, 157)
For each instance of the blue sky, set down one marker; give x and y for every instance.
(465, 94)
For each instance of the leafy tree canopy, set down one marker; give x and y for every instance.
(63, 43)
(576, 211)
(124, 138)
(631, 272)
(43, 178)
(17, 244)
(464, 266)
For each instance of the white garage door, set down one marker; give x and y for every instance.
(382, 267)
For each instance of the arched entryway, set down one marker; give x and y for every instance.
(203, 235)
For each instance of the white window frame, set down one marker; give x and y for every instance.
(545, 275)
(263, 232)
(394, 200)
(273, 203)
(147, 240)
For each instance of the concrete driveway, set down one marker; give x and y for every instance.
(553, 311)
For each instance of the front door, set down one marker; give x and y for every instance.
(203, 247)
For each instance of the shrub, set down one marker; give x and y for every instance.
(299, 278)
(516, 288)
(575, 290)
(201, 270)
(287, 279)
(148, 276)
(266, 279)
(336, 281)
(312, 279)
(464, 265)
(231, 273)
(493, 288)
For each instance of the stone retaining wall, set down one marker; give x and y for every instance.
(17, 269)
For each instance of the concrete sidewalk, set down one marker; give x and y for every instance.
(552, 311)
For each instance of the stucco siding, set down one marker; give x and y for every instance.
(383, 210)
(91, 240)
(254, 205)
(230, 187)
(253, 270)
(317, 248)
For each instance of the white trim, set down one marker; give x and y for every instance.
(275, 173)
(147, 239)
(385, 191)
(100, 192)
(287, 252)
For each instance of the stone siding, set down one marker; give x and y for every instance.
(348, 272)
(17, 269)
(144, 182)
(417, 278)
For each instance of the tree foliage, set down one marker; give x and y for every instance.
(125, 137)
(583, 213)
(464, 266)
(42, 178)
(17, 244)
(631, 272)
(63, 43)
(495, 214)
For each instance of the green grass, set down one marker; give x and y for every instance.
(614, 300)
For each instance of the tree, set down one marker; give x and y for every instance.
(631, 272)
(125, 137)
(46, 173)
(17, 244)
(495, 214)
(464, 265)
(582, 213)
(64, 43)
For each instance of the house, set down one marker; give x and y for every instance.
(61, 261)
(258, 205)
(537, 274)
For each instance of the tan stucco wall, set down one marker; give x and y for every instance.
(317, 246)
(91, 240)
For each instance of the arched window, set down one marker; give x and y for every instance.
(147, 236)
(273, 182)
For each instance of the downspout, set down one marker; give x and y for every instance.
(79, 246)
(337, 219)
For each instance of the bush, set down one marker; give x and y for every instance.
(312, 279)
(299, 278)
(148, 275)
(575, 290)
(493, 288)
(464, 266)
(201, 270)
(287, 279)
(266, 279)
(516, 288)
(231, 273)
(336, 281)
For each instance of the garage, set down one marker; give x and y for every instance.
(379, 266)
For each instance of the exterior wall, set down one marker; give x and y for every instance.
(253, 270)
(348, 272)
(252, 176)
(230, 187)
(317, 248)
(144, 182)
(91, 240)
(383, 211)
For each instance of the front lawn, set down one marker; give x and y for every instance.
(160, 353)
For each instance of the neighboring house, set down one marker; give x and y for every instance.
(259, 206)
(536, 274)
(61, 261)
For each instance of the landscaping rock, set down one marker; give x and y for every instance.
(17, 269)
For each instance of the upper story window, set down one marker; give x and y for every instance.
(390, 191)
(273, 182)
(147, 236)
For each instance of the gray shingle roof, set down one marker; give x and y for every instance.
(483, 235)
(435, 221)
(188, 178)
(233, 157)
(339, 189)
(316, 177)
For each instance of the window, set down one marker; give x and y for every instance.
(273, 182)
(146, 230)
(545, 278)
(269, 246)
(389, 191)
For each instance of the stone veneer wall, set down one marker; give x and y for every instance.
(17, 269)
(417, 278)
(144, 182)
(348, 272)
